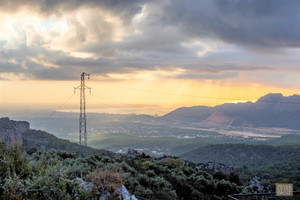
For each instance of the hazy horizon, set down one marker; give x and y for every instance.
(153, 110)
(147, 57)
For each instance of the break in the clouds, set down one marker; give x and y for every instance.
(199, 39)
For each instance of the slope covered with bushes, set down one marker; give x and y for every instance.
(53, 174)
(36, 139)
(46, 167)
(239, 155)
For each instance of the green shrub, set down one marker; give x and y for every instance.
(172, 162)
(146, 164)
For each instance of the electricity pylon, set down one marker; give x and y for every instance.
(82, 116)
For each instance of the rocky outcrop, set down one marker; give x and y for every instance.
(256, 185)
(216, 167)
(124, 194)
(133, 153)
(121, 193)
(210, 166)
(11, 131)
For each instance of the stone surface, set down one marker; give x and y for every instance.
(85, 185)
(124, 194)
(11, 131)
(133, 153)
(121, 192)
(210, 166)
(258, 187)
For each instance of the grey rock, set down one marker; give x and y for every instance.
(124, 194)
(255, 184)
(210, 166)
(11, 131)
(133, 153)
(85, 185)
(121, 192)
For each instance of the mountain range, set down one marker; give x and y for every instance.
(272, 110)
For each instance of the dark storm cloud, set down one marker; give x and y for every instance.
(269, 23)
(264, 25)
(20, 62)
(256, 23)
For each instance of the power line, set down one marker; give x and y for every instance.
(110, 99)
(196, 96)
(59, 107)
(173, 94)
(65, 102)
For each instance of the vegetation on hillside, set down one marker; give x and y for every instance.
(282, 172)
(47, 167)
(36, 139)
(156, 145)
(238, 155)
(52, 175)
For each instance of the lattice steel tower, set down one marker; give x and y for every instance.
(82, 116)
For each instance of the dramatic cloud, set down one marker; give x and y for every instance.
(197, 39)
(262, 23)
(125, 9)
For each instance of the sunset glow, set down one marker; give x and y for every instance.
(146, 57)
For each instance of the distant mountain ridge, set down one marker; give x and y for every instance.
(271, 110)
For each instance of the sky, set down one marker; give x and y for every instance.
(146, 56)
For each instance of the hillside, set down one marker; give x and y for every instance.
(285, 140)
(239, 155)
(51, 169)
(158, 145)
(35, 139)
(282, 172)
(272, 110)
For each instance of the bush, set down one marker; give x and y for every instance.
(51, 174)
(146, 164)
(17, 161)
(172, 162)
(12, 188)
(105, 180)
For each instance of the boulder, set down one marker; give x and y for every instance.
(85, 185)
(124, 194)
